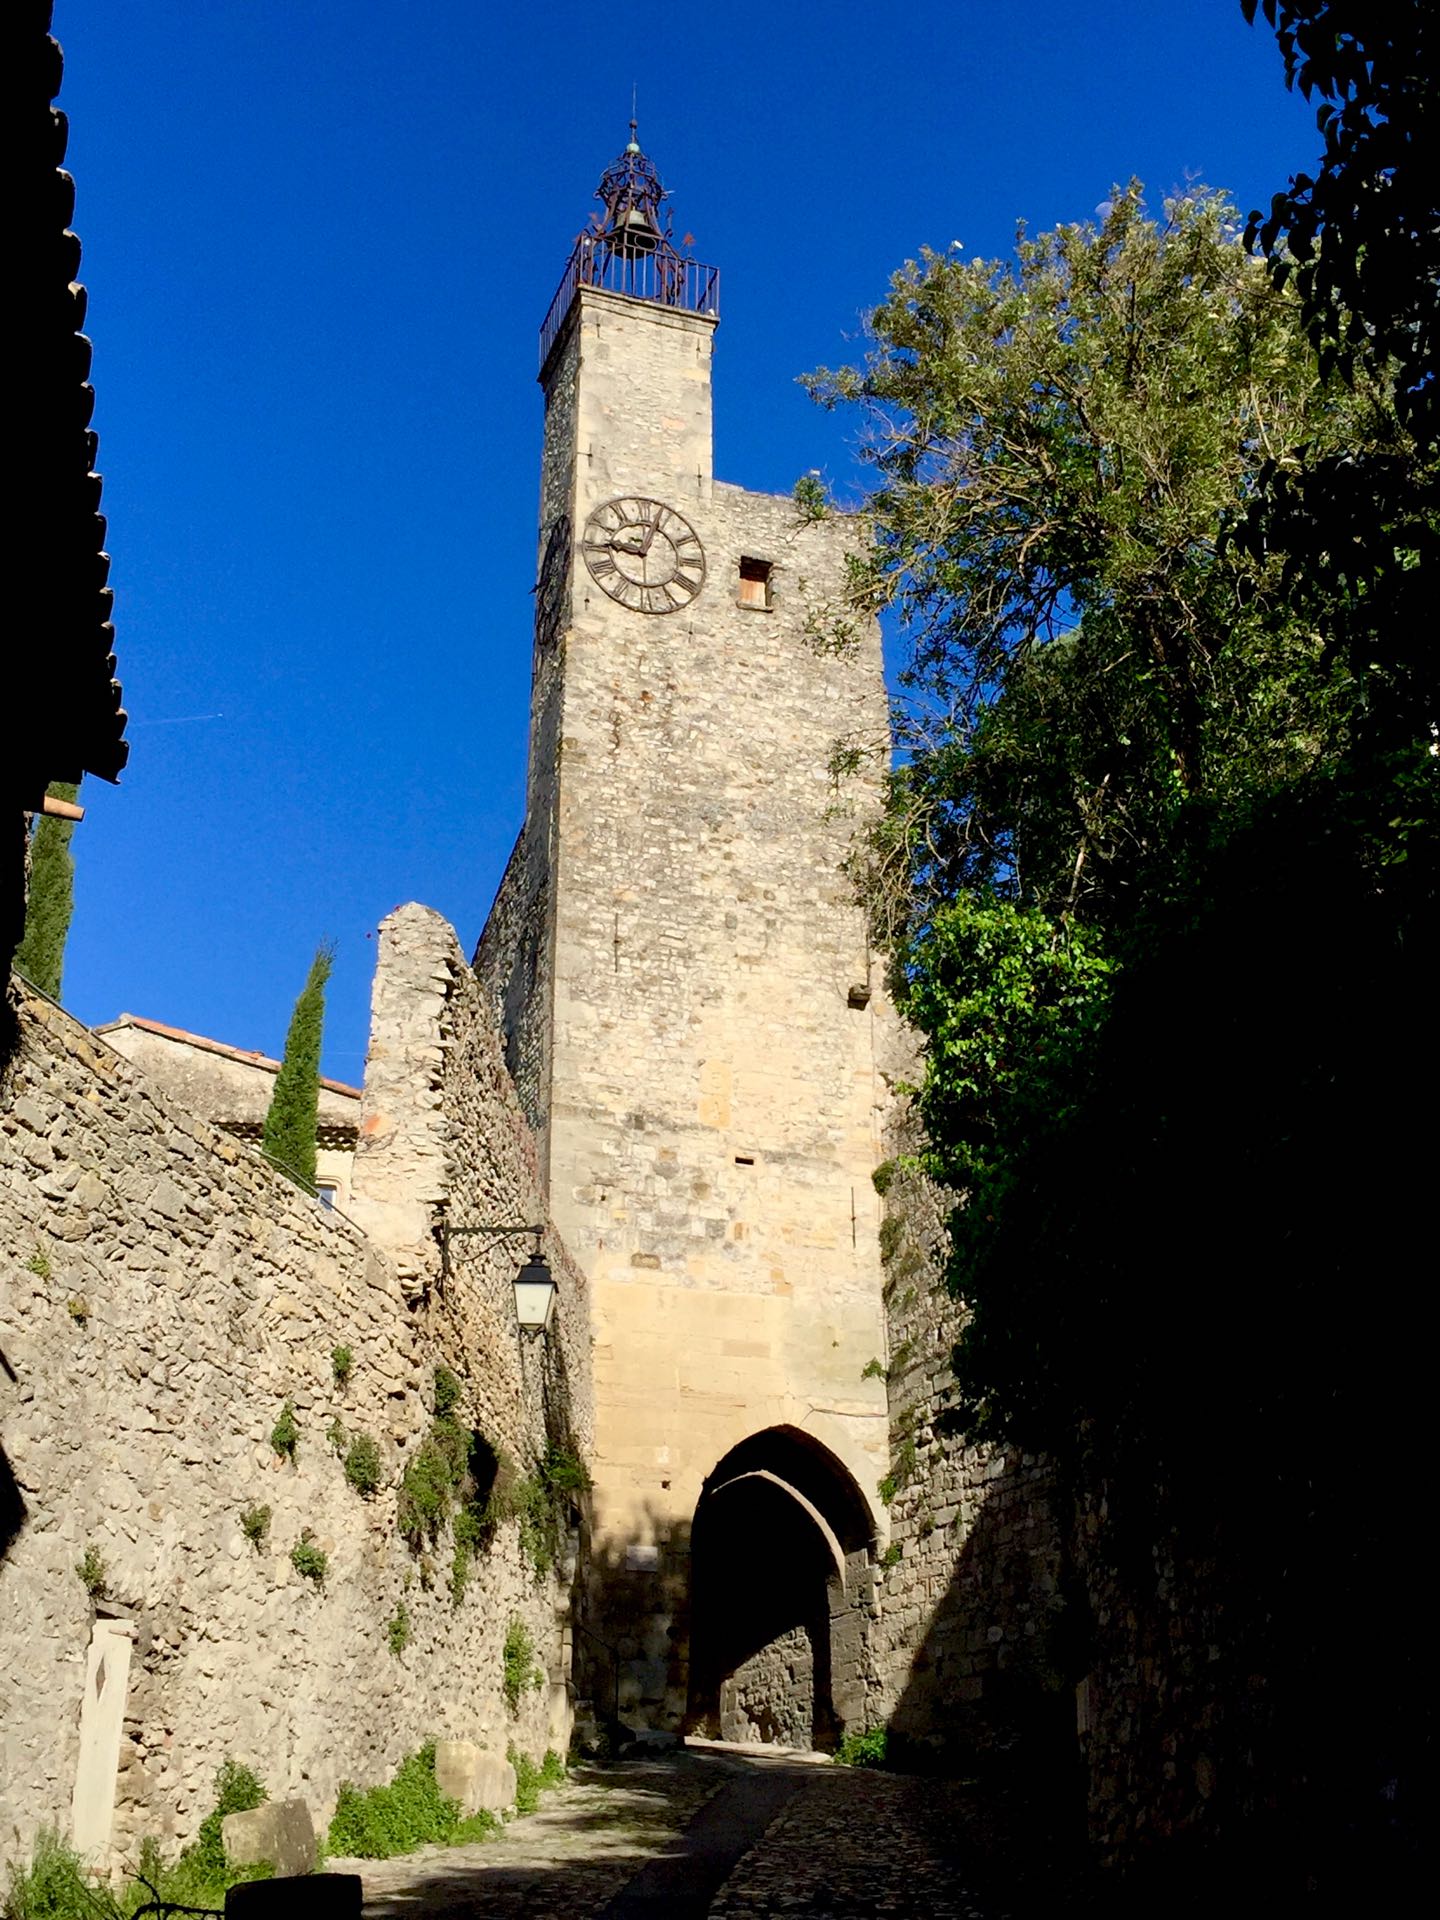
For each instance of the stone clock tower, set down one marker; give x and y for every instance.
(692, 1015)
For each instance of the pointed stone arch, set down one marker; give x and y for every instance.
(782, 1559)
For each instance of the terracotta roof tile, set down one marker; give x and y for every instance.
(206, 1045)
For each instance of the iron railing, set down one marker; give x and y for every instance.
(659, 275)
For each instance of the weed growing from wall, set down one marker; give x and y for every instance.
(335, 1433)
(362, 1465)
(255, 1525)
(448, 1392)
(397, 1630)
(285, 1434)
(520, 1672)
(531, 1780)
(91, 1569)
(539, 1502)
(451, 1472)
(469, 1537)
(308, 1560)
(809, 497)
(382, 1821)
(427, 1490)
(78, 1308)
(341, 1364)
(39, 1264)
(865, 1749)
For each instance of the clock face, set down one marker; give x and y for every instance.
(644, 554)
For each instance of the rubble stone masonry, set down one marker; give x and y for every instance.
(972, 1594)
(164, 1295)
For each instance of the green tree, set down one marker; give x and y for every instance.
(1359, 241)
(51, 899)
(1160, 874)
(289, 1138)
(1361, 235)
(1114, 720)
(1090, 673)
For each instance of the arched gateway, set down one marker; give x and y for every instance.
(781, 1573)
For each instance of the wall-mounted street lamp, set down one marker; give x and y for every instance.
(534, 1284)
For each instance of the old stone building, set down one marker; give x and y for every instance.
(691, 1013)
(232, 1088)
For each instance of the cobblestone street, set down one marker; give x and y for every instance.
(734, 1832)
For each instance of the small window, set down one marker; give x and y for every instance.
(755, 583)
(327, 1190)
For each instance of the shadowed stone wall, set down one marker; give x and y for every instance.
(971, 1599)
(163, 1295)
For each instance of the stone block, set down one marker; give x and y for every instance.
(476, 1779)
(281, 1832)
(315, 1896)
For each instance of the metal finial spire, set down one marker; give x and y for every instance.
(634, 146)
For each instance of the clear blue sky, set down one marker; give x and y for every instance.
(319, 237)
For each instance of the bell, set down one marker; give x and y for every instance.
(635, 232)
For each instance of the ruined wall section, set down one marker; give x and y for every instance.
(164, 1294)
(440, 1118)
(970, 1604)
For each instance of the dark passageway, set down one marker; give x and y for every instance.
(780, 1555)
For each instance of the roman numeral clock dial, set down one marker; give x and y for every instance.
(644, 554)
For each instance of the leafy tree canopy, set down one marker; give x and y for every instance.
(1128, 778)
(1361, 235)
(1355, 528)
(1058, 439)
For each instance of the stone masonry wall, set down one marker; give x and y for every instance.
(512, 964)
(771, 1698)
(165, 1294)
(441, 1132)
(962, 1644)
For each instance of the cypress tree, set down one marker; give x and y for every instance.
(51, 898)
(294, 1106)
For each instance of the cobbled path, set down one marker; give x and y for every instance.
(566, 1862)
(729, 1832)
(853, 1846)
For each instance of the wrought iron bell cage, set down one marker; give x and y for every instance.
(628, 249)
